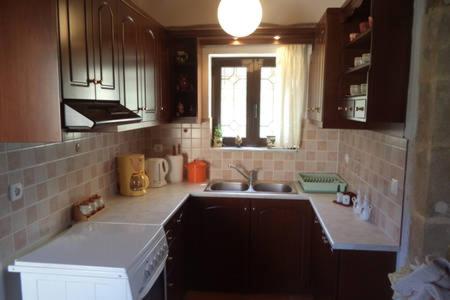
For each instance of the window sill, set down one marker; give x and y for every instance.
(262, 149)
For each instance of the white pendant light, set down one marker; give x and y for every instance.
(239, 18)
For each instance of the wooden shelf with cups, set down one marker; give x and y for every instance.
(375, 61)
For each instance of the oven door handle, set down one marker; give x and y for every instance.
(145, 289)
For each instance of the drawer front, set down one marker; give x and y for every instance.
(360, 109)
(349, 108)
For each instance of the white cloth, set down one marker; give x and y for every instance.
(292, 71)
(427, 282)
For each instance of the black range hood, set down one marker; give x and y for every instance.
(85, 115)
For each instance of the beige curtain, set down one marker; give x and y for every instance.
(292, 89)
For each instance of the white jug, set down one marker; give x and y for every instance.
(157, 169)
(365, 212)
(357, 205)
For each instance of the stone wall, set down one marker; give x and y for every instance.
(428, 132)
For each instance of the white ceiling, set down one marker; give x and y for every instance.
(204, 12)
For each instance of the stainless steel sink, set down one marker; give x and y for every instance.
(259, 187)
(273, 187)
(228, 186)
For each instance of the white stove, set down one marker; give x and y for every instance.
(95, 261)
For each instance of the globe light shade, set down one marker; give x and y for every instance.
(239, 18)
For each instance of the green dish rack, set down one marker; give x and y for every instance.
(321, 182)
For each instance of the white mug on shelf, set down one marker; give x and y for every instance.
(355, 89)
(358, 61)
(366, 58)
(363, 88)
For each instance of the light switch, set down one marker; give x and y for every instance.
(394, 186)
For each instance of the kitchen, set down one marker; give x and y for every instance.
(84, 83)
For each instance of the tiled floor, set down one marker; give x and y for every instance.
(224, 296)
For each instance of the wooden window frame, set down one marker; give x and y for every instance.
(253, 65)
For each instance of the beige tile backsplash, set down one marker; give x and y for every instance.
(55, 176)
(374, 160)
(318, 153)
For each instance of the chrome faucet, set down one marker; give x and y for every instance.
(251, 175)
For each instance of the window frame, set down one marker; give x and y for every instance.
(253, 65)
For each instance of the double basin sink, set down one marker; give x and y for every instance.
(258, 187)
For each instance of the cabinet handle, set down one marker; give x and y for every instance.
(359, 108)
(340, 108)
(316, 221)
(162, 108)
(317, 109)
(245, 208)
(253, 209)
(92, 81)
(169, 258)
(97, 81)
(171, 284)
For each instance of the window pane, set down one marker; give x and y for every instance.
(269, 108)
(233, 110)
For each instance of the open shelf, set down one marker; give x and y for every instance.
(360, 68)
(356, 97)
(362, 41)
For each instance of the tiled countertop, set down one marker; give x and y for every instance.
(343, 229)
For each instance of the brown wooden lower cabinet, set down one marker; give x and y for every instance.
(266, 246)
(348, 274)
(175, 266)
(279, 245)
(244, 245)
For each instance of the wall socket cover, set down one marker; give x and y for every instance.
(346, 158)
(15, 191)
(394, 187)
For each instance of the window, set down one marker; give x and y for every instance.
(243, 98)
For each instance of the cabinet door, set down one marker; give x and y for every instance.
(105, 49)
(163, 106)
(77, 55)
(129, 56)
(279, 252)
(149, 72)
(316, 75)
(220, 231)
(29, 72)
(175, 264)
(324, 266)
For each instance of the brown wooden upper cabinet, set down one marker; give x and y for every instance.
(324, 72)
(129, 57)
(140, 62)
(29, 72)
(89, 58)
(347, 93)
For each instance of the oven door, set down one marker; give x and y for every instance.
(158, 289)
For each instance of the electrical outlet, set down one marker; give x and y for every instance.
(394, 186)
(15, 191)
(346, 158)
(158, 148)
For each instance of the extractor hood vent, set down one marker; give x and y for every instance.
(85, 115)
